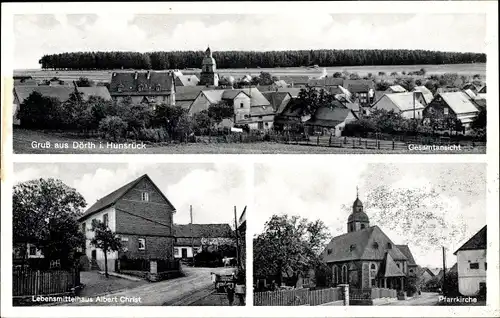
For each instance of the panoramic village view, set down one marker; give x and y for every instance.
(406, 237)
(147, 241)
(210, 99)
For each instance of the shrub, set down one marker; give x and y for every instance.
(381, 73)
(113, 127)
(394, 74)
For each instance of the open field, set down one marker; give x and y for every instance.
(105, 76)
(23, 139)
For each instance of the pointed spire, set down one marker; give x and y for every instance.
(357, 192)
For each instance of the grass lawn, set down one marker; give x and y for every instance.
(23, 139)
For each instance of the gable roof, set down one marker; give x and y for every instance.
(294, 91)
(203, 230)
(99, 91)
(60, 92)
(294, 79)
(405, 249)
(330, 117)
(187, 93)
(476, 242)
(363, 241)
(389, 268)
(214, 95)
(397, 89)
(116, 195)
(232, 94)
(129, 83)
(360, 85)
(276, 99)
(459, 102)
(470, 93)
(403, 101)
(428, 96)
(186, 80)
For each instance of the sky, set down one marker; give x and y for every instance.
(447, 205)
(212, 189)
(36, 35)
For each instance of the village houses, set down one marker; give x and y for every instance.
(191, 239)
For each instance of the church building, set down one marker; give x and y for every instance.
(208, 77)
(366, 257)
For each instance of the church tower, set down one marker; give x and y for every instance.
(208, 77)
(358, 220)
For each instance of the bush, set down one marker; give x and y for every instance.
(113, 127)
(394, 74)
(381, 73)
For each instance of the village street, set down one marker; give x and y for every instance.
(169, 292)
(426, 299)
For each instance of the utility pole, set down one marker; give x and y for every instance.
(237, 243)
(192, 235)
(444, 269)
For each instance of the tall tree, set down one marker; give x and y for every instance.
(289, 246)
(45, 213)
(106, 240)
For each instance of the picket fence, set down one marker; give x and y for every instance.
(28, 282)
(297, 297)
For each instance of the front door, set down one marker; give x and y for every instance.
(94, 254)
(184, 253)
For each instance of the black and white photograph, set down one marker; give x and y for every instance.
(321, 82)
(401, 234)
(125, 234)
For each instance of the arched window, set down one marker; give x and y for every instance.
(344, 274)
(335, 274)
(373, 266)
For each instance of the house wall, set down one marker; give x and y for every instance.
(386, 103)
(267, 122)
(189, 249)
(155, 246)
(241, 106)
(469, 279)
(340, 127)
(409, 113)
(159, 99)
(89, 234)
(199, 104)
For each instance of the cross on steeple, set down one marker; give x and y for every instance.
(357, 192)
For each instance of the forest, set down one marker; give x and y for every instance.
(252, 59)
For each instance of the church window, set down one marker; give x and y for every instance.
(352, 228)
(389, 245)
(373, 266)
(374, 282)
(329, 251)
(344, 274)
(474, 265)
(375, 245)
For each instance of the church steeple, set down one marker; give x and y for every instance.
(208, 74)
(358, 219)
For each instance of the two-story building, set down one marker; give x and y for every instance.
(365, 256)
(140, 214)
(147, 87)
(472, 264)
(453, 104)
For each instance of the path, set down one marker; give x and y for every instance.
(197, 280)
(426, 299)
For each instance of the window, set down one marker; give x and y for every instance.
(398, 265)
(145, 196)
(241, 105)
(446, 111)
(362, 226)
(105, 219)
(375, 245)
(474, 265)
(411, 271)
(329, 251)
(158, 88)
(345, 279)
(142, 244)
(176, 251)
(352, 247)
(32, 250)
(55, 263)
(374, 282)
(485, 266)
(373, 267)
(389, 245)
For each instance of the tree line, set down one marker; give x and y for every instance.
(240, 59)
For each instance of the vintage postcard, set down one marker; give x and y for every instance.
(345, 83)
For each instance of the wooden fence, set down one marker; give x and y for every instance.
(297, 297)
(26, 282)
